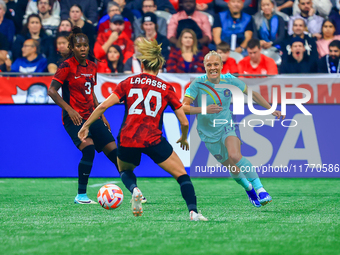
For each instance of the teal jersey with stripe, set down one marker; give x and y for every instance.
(220, 96)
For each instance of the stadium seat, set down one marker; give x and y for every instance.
(164, 15)
(210, 17)
(284, 16)
(235, 55)
(272, 53)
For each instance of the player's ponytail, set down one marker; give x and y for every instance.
(150, 54)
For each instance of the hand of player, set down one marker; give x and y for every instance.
(75, 117)
(83, 133)
(106, 123)
(184, 143)
(213, 108)
(278, 115)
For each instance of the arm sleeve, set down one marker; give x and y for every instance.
(192, 90)
(172, 26)
(172, 98)
(64, 9)
(206, 27)
(171, 64)
(281, 33)
(120, 90)
(271, 67)
(98, 50)
(62, 72)
(91, 12)
(217, 21)
(237, 82)
(250, 25)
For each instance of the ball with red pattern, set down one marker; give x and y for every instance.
(110, 196)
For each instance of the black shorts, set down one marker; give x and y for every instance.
(99, 133)
(158, 153)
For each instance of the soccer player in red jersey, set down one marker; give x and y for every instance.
(77, 78)
(146, 97)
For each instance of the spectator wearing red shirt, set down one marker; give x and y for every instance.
(114, 61)
(187, 58)
(205, 6)
(255, 62)
(190, 18)
(115, 36)
(113, 8)
(229, 64)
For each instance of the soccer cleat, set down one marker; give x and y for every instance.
(197, 216)
(265, 198)
(253, 198)
(136, 206)
(83, 199)
(144, 200)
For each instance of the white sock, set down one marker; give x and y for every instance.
(260, 190)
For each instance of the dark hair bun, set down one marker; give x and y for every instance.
(76, 30)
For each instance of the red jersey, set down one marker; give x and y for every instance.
(123, 41)
(105, 26)
(266, 66)
(230, 66)
(146, 96)
(78, 82)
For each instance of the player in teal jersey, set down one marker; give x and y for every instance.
(222, 140)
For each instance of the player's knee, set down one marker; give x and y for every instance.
(88, 153)
(235, 156)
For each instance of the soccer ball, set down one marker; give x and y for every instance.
(110, 196)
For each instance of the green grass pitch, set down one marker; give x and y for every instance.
(37, 216)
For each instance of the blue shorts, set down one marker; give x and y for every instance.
(218, 149)
(99, 133)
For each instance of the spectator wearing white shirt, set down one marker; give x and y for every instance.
(307, 13)
(321, 7)
(32, 7)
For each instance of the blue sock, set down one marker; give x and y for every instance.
(247, 168)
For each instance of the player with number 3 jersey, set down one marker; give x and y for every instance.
(146, 96)
(77, 78)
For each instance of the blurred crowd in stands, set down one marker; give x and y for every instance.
(264, 37)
